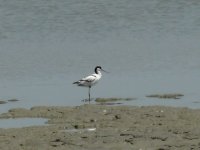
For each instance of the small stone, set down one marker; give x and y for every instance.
(118, 116)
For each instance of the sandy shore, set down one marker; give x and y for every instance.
(97, 127)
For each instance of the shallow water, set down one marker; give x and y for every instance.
(21, 122)
(148, 46)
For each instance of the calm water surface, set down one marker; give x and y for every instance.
(148, 46)
(22, 122)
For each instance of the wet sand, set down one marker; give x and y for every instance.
(97, 127)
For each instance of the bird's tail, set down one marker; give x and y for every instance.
(77, 82)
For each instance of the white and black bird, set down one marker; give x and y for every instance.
(91, 80)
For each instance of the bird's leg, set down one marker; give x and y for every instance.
(89, 93)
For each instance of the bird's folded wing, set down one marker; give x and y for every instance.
(89, 78)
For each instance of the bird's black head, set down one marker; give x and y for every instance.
(97, 68)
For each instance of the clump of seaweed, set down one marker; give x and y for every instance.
(166, 96)
(2, 102)
(10, 100)
(13, 100)
(113, 99)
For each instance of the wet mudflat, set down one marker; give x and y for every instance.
(105, 127)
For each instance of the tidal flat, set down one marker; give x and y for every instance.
(90, 126)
